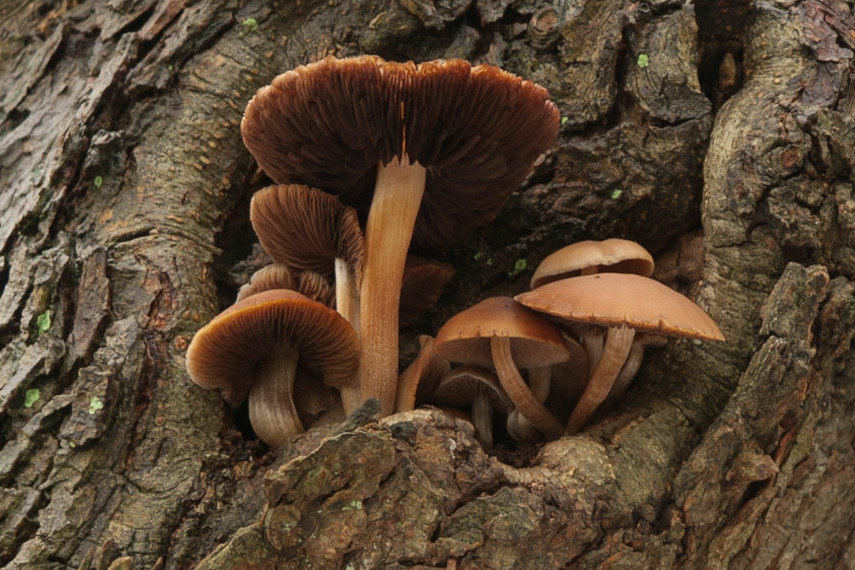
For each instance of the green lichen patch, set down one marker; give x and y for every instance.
(31, 397)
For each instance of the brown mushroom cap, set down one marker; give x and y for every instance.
(274, 276)
(422, 285)
(615, 299)
(224, 352)
(317, 288)
(465, 337)
(306, 228)
(330, 123)
(611, 255)
(624, 303)
(462, 385)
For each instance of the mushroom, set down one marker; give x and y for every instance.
(252, 349)
(625, 303)
(308, 229)
(500, 333)
(478, 387)
(435, 148)
(587, 257)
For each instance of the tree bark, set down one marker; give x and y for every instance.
(720, 135)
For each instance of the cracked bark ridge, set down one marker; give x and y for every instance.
(415, 488)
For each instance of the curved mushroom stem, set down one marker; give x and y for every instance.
(271, 405)
(518, 390)
(397, 197)
(518, 426)
(615, 352)
(627, 373)
(633, 363)
(593, 342)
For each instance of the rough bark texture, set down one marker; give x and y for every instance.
(721, 136)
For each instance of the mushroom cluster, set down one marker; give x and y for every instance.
(368, 158)
(563, 350)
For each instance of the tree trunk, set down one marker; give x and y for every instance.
(720, 135)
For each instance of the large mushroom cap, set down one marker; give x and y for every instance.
(616, 299)
(465, 337)
(612, 255)
(224, 352)
(478, 130)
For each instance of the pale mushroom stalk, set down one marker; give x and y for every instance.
(627, 373)
(632, 365)
(519, 427)
(271, 405)
(389, 229)
(482, 418)
(346, 302)
(592, 342)
(519, 392)
(615, 352)
(347, 305)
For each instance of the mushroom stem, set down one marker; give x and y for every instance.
(271, 404)
(627, 373)
(347, 305)
(345, 293)
(592, 342)
(615, 352)
(539, 380)
(482, 419)
(518, 390)
(397, 197)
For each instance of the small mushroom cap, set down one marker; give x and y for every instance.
(535, 342)
(462, 385)
(317, 288)
(422, 285)
(615, 299)
(612, 255)
(478, 130)
(306, 228)
(224, 352)
(274, 276)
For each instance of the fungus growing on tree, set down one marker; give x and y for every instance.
(434, 148)
(624, 303)
(308, 229)
(253, 348)
(501, 334)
